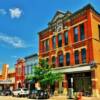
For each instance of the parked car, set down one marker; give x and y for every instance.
(7, 92)
(1, 92)
(39, 94)
(21, 92)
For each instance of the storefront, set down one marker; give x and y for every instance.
(7, 84)
(80, 82)
(78, 78)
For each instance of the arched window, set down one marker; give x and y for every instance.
(61, 60)
(83, 55)
(67, 59)
(76, 56)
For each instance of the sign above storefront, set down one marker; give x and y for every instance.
(6, 81)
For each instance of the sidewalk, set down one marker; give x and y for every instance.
(60, 97)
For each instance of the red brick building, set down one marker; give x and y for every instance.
(19, 73)
(69, 44)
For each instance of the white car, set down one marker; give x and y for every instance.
(21, 92)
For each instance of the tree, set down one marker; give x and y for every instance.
(45, 74)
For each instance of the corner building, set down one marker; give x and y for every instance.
(71, 44)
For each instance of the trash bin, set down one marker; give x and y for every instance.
(70, 93)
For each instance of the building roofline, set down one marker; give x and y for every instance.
(84, 8)
(33, 55)
(44, 30)
(88, 6)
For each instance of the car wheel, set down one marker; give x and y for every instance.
(37, 97)
(18, 95)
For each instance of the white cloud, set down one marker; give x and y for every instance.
(3, 12)
(15, 12)
(13, 41)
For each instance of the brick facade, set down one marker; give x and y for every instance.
(19, 73)
(90, 19)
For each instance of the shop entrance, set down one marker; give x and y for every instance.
(81, 82)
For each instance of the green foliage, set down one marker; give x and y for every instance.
(45, 75)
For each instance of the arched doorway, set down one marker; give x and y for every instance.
(19, 85)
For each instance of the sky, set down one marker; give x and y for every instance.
(21, 20)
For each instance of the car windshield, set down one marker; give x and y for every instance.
(25, 89)
(34, 91)
(18, 90)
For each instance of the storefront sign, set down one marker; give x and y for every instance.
(5, 81)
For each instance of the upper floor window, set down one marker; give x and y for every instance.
(25, 69)
(66, 38)
(59, 40)
(61, 60)
(76, 56)
(30, 69)
(99, 31)
(83, 55)
(75, 34)
(82, 34)
(53, 61)
(67, 59)
(54, 42)
(46, 45)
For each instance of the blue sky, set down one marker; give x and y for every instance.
(21, 20)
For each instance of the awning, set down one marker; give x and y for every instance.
(72, 69)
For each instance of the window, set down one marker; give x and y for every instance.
(75, 34)
(47, 59)
(76, 54)
(53, 61)
(30, 70)
(60, 60)
(66, 38)
(83, 54)
(99, 31)
(46, 45)
(82, 35)
(59, 40)
(54, 42)
(25, 69)
(67, 59)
